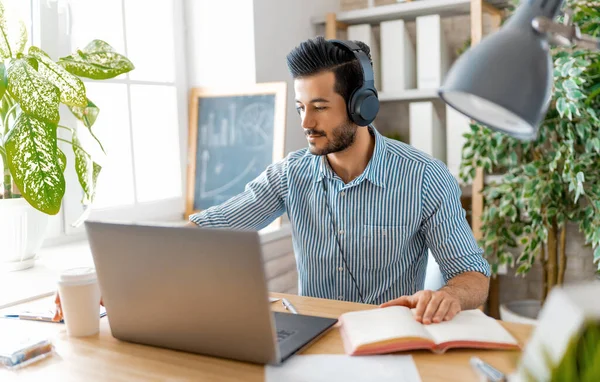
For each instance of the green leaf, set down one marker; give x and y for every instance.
(561, 106)
(530, 169)
(35, 94)
(597, 254)
(569, 85)
(72, 90)
(34, 163)
(87, 171)
(62, 160)
(98, 61)
(87, 115)
(575, 95)
(3, 81)
(13, 34)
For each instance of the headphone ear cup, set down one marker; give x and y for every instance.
(363, 106)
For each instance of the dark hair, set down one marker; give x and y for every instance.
(318, 55)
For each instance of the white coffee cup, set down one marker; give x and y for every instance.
(80, 301)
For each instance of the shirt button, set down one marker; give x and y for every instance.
(342, 193)
(341, 269)
(341, 232)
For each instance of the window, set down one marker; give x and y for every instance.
(143, 114)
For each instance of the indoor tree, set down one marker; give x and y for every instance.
(552, 180)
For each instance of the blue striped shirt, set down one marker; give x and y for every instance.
(385, 220)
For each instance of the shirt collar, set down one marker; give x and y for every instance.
(375, 170)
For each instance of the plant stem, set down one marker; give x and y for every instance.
(544, 262)
(551, 265)
(74, 145)
(562, 260)
(5, 121)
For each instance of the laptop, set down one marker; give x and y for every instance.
(197, 290)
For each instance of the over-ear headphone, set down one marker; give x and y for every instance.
(363, 104)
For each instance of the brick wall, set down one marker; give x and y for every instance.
(580, 267)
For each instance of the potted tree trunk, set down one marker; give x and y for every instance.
(548, 182)
(32, 86)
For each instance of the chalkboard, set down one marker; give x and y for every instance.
(234, 135)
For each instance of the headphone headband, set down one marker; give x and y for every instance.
(363, 104)
(363, 59)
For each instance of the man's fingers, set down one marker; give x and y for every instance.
(432, 307)
(403, 301)
(422, 303)
(442, 311)
(453, 311)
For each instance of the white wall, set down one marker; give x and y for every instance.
(265, 32)
(220, 42)
(279, 26)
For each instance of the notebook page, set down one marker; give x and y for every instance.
(470, 325)
(376, 325)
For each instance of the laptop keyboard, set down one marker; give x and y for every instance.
(283, 334)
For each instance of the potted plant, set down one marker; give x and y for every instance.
(32, 86)
(548, 182)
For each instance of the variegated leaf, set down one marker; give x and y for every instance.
(88, 116)
(62, 160)
(34, 164)
(87, 171)
(13, 34)
(3, 84)
(72, 89)
(35, 94)
(98, 61)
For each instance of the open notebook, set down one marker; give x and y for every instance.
(392, 329)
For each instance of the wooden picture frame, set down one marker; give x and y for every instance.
(246, 130)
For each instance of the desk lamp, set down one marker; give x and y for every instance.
(505, 82)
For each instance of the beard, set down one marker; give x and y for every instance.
(339, 139)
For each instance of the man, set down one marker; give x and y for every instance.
(364, 209)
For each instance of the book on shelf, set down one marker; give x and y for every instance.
(364, 33)
(426, 130)
(433, 53)
(397, 58)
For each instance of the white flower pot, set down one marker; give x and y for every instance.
(521, 311)
(22, 232)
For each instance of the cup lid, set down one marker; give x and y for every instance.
(81, 275)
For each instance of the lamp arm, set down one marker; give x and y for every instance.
(565, 34)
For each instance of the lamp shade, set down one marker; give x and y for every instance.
(505, 82)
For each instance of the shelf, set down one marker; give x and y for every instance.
(407, 11)
(409, 95)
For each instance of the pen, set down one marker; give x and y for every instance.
(486, 370)
(288, 305)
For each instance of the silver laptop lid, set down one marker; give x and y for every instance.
(185, 288)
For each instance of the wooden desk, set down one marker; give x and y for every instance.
(104, 358)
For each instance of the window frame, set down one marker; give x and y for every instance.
(54, 19)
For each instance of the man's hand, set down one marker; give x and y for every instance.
(431, 306)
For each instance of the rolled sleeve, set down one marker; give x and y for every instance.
(261, 202)
(447, 233)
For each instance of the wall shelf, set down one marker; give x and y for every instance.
(407, 11)
(410, 95)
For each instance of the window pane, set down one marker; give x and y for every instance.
(155, 142)
(150, 40)
(97, 20)
(115, 183)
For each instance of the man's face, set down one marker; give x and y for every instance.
(323, 112)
